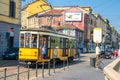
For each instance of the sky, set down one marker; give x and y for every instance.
(106, 8)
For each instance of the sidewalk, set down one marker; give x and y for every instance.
(79, 70)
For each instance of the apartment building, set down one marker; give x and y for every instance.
(9, 24)
(30, 12)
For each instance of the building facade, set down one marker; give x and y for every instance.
(115, 38)
(9, 19)
(30, 10)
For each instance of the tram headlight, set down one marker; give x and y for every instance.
(35, 53)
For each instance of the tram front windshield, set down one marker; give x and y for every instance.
(28, 40)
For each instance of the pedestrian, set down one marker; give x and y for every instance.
(78, 50)
(44, 52)
(115, 53)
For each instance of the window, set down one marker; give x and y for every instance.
(40, 21)
(61, 43)
(27, 40)
(48, 21)
(22, 40)
(49, 42)
(12, 7)
(67, 43)
(52, 43)
(34, 41)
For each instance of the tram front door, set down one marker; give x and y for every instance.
(43, 47)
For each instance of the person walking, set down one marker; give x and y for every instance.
(78, 50)
(44, 52)
(115, 54)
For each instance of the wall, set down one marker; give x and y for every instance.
(3, 41)
(7, 22)
(4, 12)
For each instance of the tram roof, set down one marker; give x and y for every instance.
(45, 32)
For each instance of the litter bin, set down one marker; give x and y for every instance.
(92, 61)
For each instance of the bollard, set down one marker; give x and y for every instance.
(49, 68)
(18, 72)
(54, 64)
(67, 63)
(5, 70)
(36, 70)
(43, 69)
(29, 70)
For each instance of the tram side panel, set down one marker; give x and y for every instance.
(55, 53)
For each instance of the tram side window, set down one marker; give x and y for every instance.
(34, 41)
(67, 43)
(22, 40)
(72, 44)
(49, 42)
(61, 43)
(57, 42)
(64, 42)
(52, 42)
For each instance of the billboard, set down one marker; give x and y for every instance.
(73, 16)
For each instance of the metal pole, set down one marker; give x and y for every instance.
(49, 68)
(43, 69)
(36, 69)
(5, 73)
(67, 63)
(64, 64)
(54, 64)
(28, 70)
(97, 54)
(18, 72)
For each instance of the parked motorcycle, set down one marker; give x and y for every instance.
(106, 54)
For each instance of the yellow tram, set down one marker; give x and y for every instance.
(57, 45)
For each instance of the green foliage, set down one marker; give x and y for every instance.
(107, 21)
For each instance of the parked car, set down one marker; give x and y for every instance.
(11, 53)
